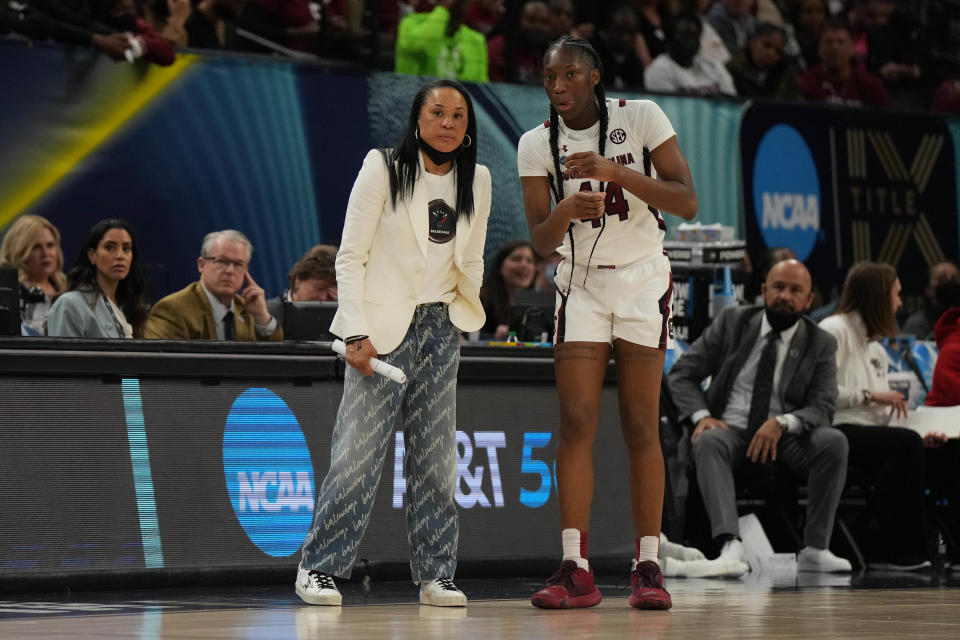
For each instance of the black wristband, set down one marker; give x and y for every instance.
(353, 339)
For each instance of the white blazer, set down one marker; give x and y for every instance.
(381, 263)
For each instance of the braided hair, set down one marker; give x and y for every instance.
(584, 50)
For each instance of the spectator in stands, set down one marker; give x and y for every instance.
(854, 14)
(942, 456)
(711, 45)
(945, 390)
(108, 296)
(921, 322)
(122, 15)
(653, 25)
(617, 47)
(809, 19)
(484, 15)
(894, 52)
(837, 79)
(169, 18)
(761, 70)
(225, 304)
(889, 458)
(213, 24)
(946, 97)
(682, 69)
(771, 398)
(733, 22)
(513, 269)
(563, 19)
(439, 44)
(532, 39)
(768, 11)
(48, 19)
(32, 247)
(312, 279)
(289, 23)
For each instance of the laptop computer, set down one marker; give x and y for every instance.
(308, 320)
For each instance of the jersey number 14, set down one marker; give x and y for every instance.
(614, 203)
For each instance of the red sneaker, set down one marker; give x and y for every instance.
(569, 588)
(646, 586)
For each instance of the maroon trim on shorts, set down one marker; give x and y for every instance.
(561, 319)
(665, 313)
(623, 102)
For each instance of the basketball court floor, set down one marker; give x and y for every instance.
(790, 606)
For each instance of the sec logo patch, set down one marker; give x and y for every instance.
(618, 136)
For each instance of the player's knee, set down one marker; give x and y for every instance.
(641, 436)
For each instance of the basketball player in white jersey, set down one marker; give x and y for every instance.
(595, 178)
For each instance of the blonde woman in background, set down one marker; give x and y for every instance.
(32, 247)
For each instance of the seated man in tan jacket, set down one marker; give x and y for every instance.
(226, 304)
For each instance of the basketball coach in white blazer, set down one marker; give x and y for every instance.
(408, 272)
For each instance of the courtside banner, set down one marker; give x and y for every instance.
(117, 474)
(839, 185)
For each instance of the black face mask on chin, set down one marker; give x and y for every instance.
(782, 320)
(440, 157)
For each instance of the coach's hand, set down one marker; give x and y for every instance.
(706, 424)
(358, 356)
(764, 443)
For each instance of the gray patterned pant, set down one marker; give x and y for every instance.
(425, 408)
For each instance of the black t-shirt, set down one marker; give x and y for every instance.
(202, 34)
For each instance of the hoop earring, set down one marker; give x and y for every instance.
(416, 133)
(467, 142)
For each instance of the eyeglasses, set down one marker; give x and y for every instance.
(223, 263)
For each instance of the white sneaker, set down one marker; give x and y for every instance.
(441, 593)
(733, 552)
(811, 559)
(315, 587)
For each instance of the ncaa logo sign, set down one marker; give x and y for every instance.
(268, 471)
(786, 191)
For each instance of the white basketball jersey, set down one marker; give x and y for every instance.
(633, 229)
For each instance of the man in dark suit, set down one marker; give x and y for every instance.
(226, 304)
(772, 395)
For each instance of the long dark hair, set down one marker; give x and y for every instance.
(585, 51)
(494, 295)
(867, 291)
(132, 292)
(403, 160)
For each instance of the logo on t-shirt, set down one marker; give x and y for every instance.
(618, 136)
(443, 221)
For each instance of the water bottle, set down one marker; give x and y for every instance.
(723, 294)
(940, 561)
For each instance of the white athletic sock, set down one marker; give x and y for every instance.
(572, 549)
(648, 548)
